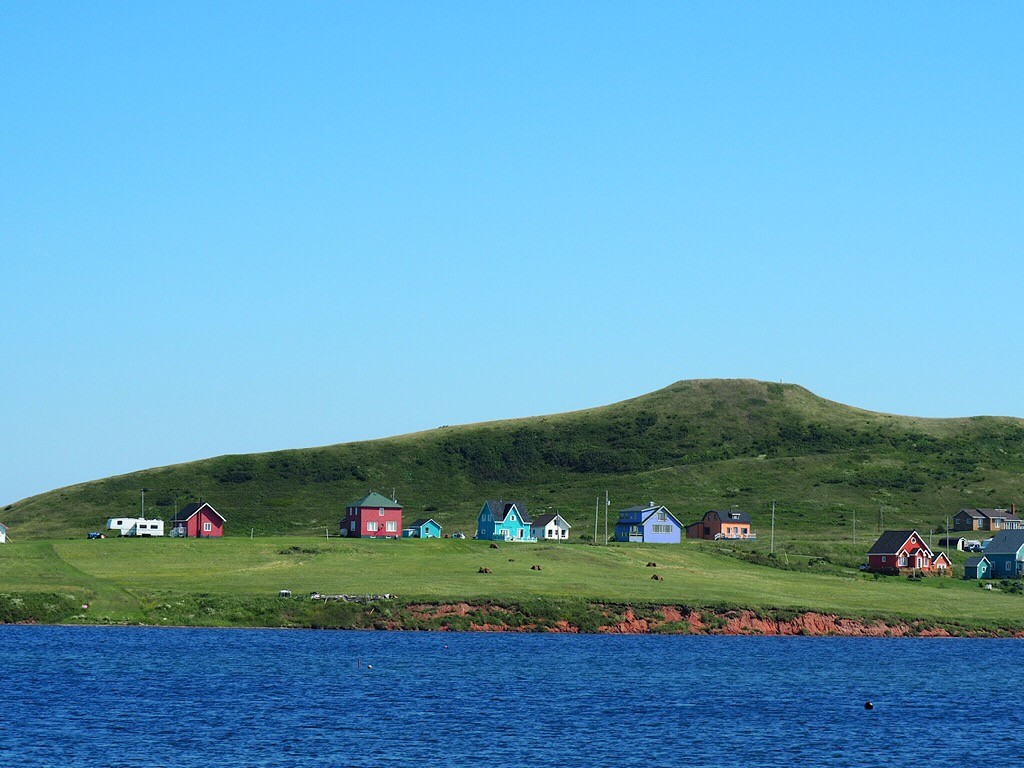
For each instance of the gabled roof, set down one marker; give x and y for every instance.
(975, 513)
(374, 499)
(499, 509)
(423, 521)
(1005, 543)
(730, 515)
(543, 520)
(641, 508)
(973, 562)
(891, 542)
(189, 510)
(990, 513)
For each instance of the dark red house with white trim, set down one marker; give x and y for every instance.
(372, 517)
(198, 520)
(899, 551)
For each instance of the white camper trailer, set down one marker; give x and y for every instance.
(3, 533)
(136, 526)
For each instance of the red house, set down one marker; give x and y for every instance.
(899, 551)
(198, 520)
(374, 516)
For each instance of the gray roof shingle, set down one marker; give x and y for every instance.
(1005, 543)
(890, 542)
(499, 509)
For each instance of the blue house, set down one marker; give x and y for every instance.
(1006, 553)
(504, 521)
(978, 568)
(650, 524)
(424, 528)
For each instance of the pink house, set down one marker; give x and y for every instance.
(374, 516)
(198, 520)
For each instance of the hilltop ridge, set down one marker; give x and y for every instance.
(692, 445)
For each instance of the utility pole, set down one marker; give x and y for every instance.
(144, 503)
(607, 503)
(772, 547)
(854, 526)
(597, 506)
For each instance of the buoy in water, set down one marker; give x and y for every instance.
(369, 666)
(868, 705)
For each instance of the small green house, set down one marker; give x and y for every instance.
(424, 528)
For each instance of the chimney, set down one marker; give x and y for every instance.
(653, 504)
(1013, 509)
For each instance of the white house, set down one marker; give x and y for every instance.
(550, 528)
(136, 526)
(3, 533)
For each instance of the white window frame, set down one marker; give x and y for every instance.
(207, 526)
(391, 526)
(372, 526)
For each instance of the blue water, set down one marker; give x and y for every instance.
(120, 697)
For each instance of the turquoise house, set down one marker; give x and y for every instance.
(1006, 553)
(424, 528)
(504, 521)
(978, 568)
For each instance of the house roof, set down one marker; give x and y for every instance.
(543, 520)
(973, 562)
(988, 512)
(975, 513)
(186, 512)
(891, 542)
(374, 499)
(499, 509)
(641, 508)
(422, 521)
(1005, 543)
(730, 515)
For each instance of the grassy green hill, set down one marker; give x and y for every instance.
(693, 446)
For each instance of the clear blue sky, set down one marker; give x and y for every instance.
(228, 228)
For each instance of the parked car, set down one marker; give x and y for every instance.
(95, 535)
(458, 535)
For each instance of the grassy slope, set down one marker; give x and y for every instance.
(693, 446)
(126, 580)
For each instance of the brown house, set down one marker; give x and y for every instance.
(722, 524)
(988, 520)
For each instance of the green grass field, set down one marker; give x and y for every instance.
(140, 580)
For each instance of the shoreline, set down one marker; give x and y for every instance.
(555, 616)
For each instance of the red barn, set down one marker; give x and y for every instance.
(198, 520)
(374, 516)
(898, 551)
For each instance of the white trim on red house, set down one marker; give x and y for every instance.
(199, 509)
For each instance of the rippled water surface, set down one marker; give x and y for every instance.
(84, 696)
